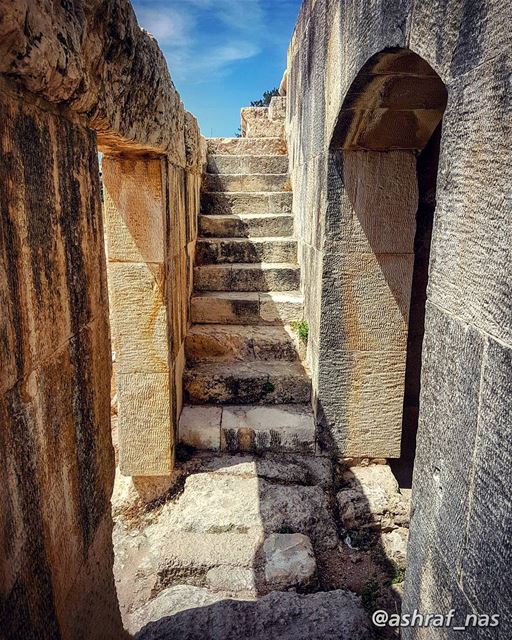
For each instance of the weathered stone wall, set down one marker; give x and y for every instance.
(76, 77)
(57, 460)
(459, 527)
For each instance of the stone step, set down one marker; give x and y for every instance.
(245, 250)
(249, 308)
(256, 122)
(241, 383)
(239, 182)
(249, 428)
(227, 343)
(246, 146)
(220, 202)
(247, 164)
(245, 226)
(264, 276)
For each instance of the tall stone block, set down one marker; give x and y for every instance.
(136, 213)
(56, 454)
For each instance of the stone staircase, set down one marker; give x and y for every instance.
(245, 386)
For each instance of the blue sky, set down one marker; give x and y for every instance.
(221, 53)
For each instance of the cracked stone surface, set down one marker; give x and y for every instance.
(192, 613)
(236, 528)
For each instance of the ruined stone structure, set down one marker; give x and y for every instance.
(367, 211)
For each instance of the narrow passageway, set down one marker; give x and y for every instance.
(260, 533)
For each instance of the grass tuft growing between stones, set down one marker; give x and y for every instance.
(301, 328)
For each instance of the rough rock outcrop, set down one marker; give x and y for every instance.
(191, 613)
(372, 499)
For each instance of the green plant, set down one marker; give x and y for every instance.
(267, 387)
(301, 328)
(369, 594)
(267, 96)
(398, 574)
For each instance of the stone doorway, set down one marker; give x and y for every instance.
(382, 179)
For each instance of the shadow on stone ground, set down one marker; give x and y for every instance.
(261, 546)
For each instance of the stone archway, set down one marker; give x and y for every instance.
(381, 179)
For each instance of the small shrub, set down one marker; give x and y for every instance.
(369, 595)
(398, 574)
(301, 328)
(265, 100)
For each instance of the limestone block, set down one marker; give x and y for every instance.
(216, 343)
(246, 307)
(289, 561)
(200, 426)
(242, 383)
(277, 108)
(257, 181)
(368, 299)
(195, 149)
(240, 203)
(236, 503)
(53, 277)
(177, 232)
(134, 492)
(395, 546)
(246, 146)
(177, 371)
(487, 525)
(134, 209)
(362, 398)
(247, 277)
(140, 317)
(232, 580)
(268, 428)
(471, 254)
(225, 307)
(292, 468)
(458, 54)
(242, 226)
(145, 435)
(300, 509)
(127, 97)
(256, 123)
(379, 203)
(453, 356)
(57, 454)
(251, 250)
(281, 307)
(193, 204)
(247, 164)
(372, 498)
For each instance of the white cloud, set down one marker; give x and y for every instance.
(167, 25)
(195, 53)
